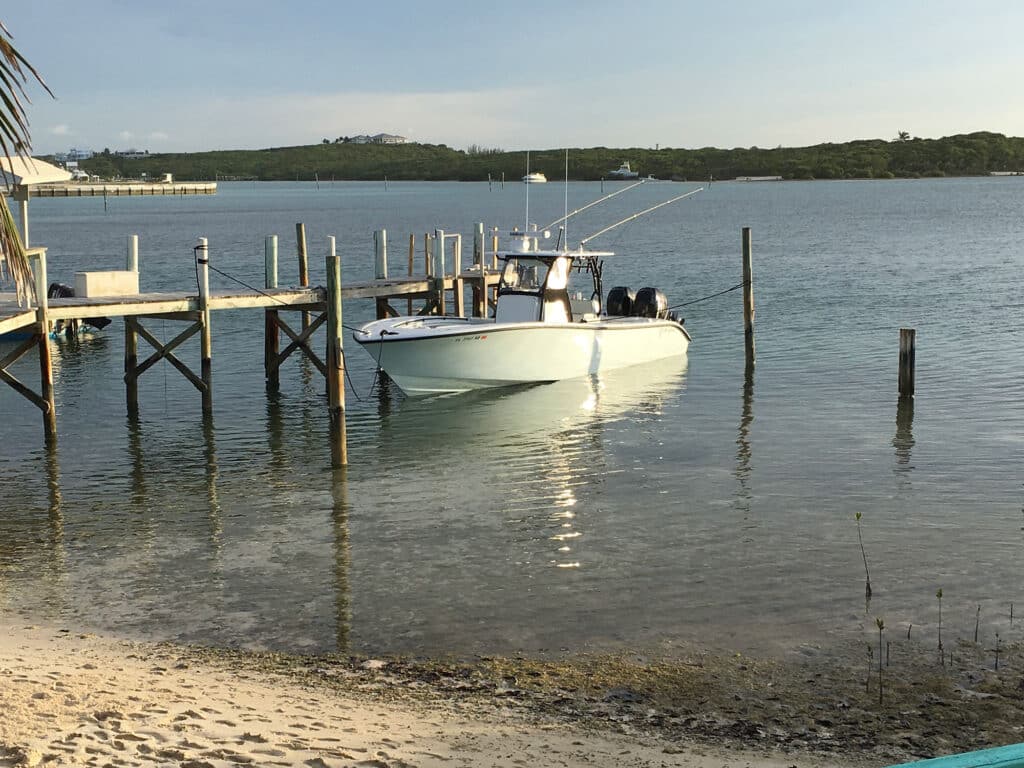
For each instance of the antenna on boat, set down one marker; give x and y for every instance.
(585, 240)
(595, 202)
(565, 228)
(526, 180)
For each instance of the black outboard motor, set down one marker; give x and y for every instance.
(650, 302)
(59, 291)
(620, 301)
(62, 291)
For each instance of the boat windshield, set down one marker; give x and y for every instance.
(523, 274)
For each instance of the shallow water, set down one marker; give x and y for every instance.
(650, 507)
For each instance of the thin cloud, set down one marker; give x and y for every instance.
(61, 130)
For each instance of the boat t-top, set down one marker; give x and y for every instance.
(551, 321)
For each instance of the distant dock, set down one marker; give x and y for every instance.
(106, 189)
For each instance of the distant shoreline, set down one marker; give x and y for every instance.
(975, 154)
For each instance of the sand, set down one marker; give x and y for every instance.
(71, 699)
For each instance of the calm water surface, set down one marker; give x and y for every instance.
(648, 508)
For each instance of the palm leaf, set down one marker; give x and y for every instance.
(14, 141)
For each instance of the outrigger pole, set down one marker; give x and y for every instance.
(585, 240)
(595, 202)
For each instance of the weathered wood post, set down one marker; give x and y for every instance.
(380, 267)
(335, 359)
(43, 336)
(300, 246)
(205, 338)
(271, 329)
(131, 337)
(748, 298)
(479, 291)
(908, 343)
(412, 259)
(437, 269)
(458, 286)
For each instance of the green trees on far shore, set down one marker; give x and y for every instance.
(904, 157)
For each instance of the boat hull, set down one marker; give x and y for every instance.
(424, 357)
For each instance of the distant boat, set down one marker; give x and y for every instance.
(623, 172)
(535, 178)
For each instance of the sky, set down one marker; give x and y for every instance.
(196, 75)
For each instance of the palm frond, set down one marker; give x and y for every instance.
(15, 71)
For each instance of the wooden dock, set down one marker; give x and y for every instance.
(319, 306)
(107, 189)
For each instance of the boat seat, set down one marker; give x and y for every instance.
(517, 308)
(584, 309)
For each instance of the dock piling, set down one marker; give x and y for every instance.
(908, 353)
(380, 267)
(458, 286)
(748, 298)
(335, 359)
(300, 247)
(479, 291)
(38, 260)
(412, 267)
(131, 338)
(205, 337)
(271, 333)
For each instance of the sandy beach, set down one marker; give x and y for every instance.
(72, 699)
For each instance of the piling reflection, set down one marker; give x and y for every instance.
(215, 517)
(342, 559)
(744, 454)
(33, 547)
(903, 440)
(55, 518)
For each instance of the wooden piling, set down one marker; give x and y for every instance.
(300, 247)
(412, 259)
(335, 359)
(131, 338)
(43, 341)
(479, 290)
(380, 267)
(206, 341)
(439, 270)
(908, 350)
(271, 328)
(458, 287)
(748, 298)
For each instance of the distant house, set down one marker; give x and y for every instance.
(380, 138)
(73, 155)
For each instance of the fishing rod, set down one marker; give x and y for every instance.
(585, 240)
(595, 202)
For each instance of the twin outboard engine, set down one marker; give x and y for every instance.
(620, 301)
(647, 302)
(651, 302)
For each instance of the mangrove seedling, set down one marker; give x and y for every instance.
(977, 619)
(939, 596)
(881, 627)
(863, 554)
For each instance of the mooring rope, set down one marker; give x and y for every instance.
(221, 272)
(712, 296)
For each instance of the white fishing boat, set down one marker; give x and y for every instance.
(544, 327)
(623, 172)
(535, 178)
